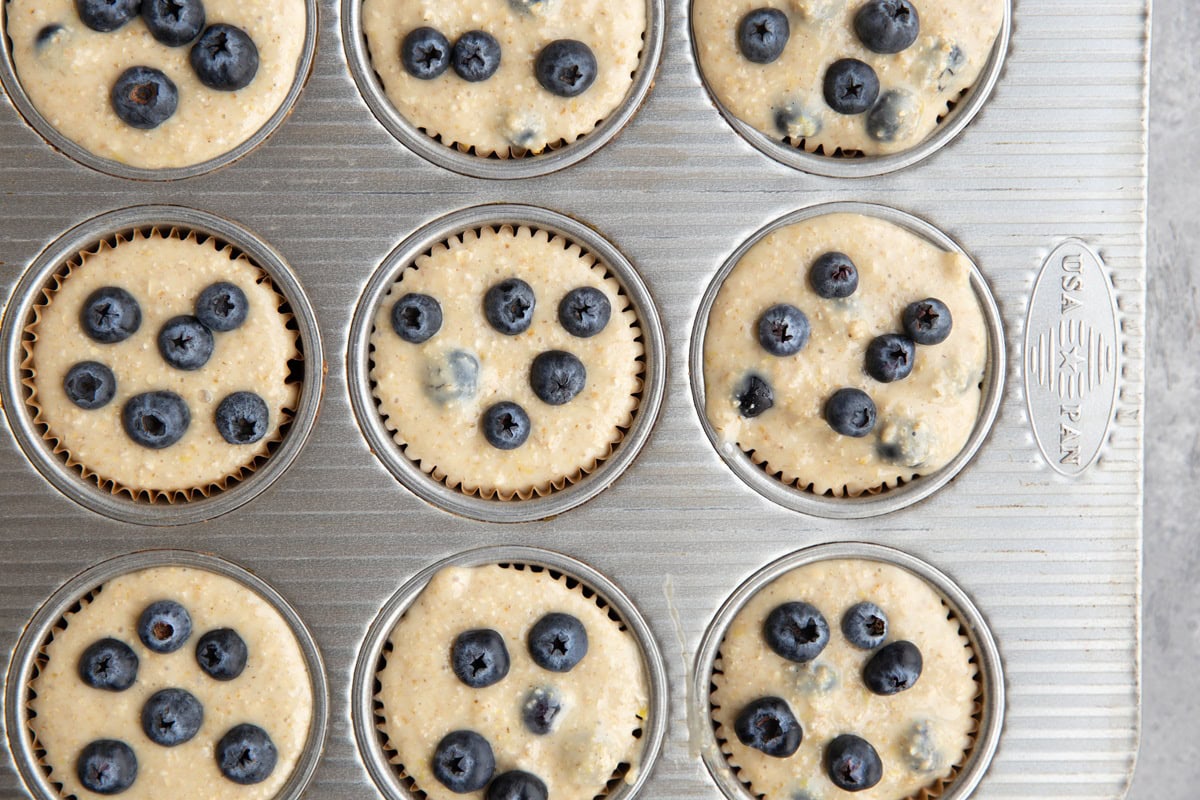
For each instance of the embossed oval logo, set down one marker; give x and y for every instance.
(1071, 358)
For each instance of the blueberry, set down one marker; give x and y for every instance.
(566, 67)
(106, 766)
(797, 631)
(425, 53)
(851, 86)
(90, 385)
(517, 785)
(451, 376)
(762, 35)
(246, 754)
(556, 377)
(156, 419)
(783, 330)
(505, 425)
(815, 678)
(890, 357)
(173, 22)
(833, 276)
(850, 412)
(242, 418)
(144, 97)
(476, 56)
(905, 442)
(164, 626)
(222, 307)
(584, 312)
(768, 724)
(893, 669)
(794, 122)
(463, 762)
(479, 657)
(541, 711)
(852, 763)
(185, 343)
(887, 26)
(46, 35)
(106, 15)
(928, 321)
(110, 315)
(865, 626)
(754, 396)
(416, 317)
(558, 642)
(224, 58)
(894, 117)
(920, 749)
(509, 306)
(222, 654)
(109, 664)
(171, 717)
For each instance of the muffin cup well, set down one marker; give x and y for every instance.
(554, 498)
(891, 498)
(972, 625)
(364, 708)
(103, 495)
(37, 633)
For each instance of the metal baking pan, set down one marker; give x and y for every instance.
(1044, 189)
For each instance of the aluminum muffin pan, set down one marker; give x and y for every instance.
(866, 505)
(37, 632)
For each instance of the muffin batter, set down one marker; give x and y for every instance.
(604, 697)
(923, 420)
(273, 692)
(921, 734)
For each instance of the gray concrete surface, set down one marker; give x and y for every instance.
(1169, 763)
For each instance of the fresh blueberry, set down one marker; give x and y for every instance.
(185, 343)
(783, 330)
(541, 711)
(527, 6)
(850, 412)
(451, 376)
(479, 657)
(46, 35)
(768, 725)
(815, 678)
(833, 276)
(762, 35)
(920, 749)
(509, 306)
(109, 664)
(951, 61)
(171, 717)
(164, 626)
(556, 377)
(246, 754)
(144, 97)
(558, 642)
(425, 53)
(505, 425)
(906, 442)
(106, 15)
(516, 785)
(797, 631)
(463, 762)
(110, 315)
(584, 312)
(887, 26)
(173, 22)
(893, 669)
(851, 86)
(222, 307)
(416, 317)
(928, 321)
(566, 67)
(890, 357)
(222, 654)
(476, 56)
(865, 626)
(852, 763)
(894, 116)
(106, 766)
(795, 122)
(224, 58)
(90, 385)
(754, 396)
(242, 418)
(156, 419)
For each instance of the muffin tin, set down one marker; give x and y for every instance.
(1052, 560)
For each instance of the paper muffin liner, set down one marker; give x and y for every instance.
(263, 449)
